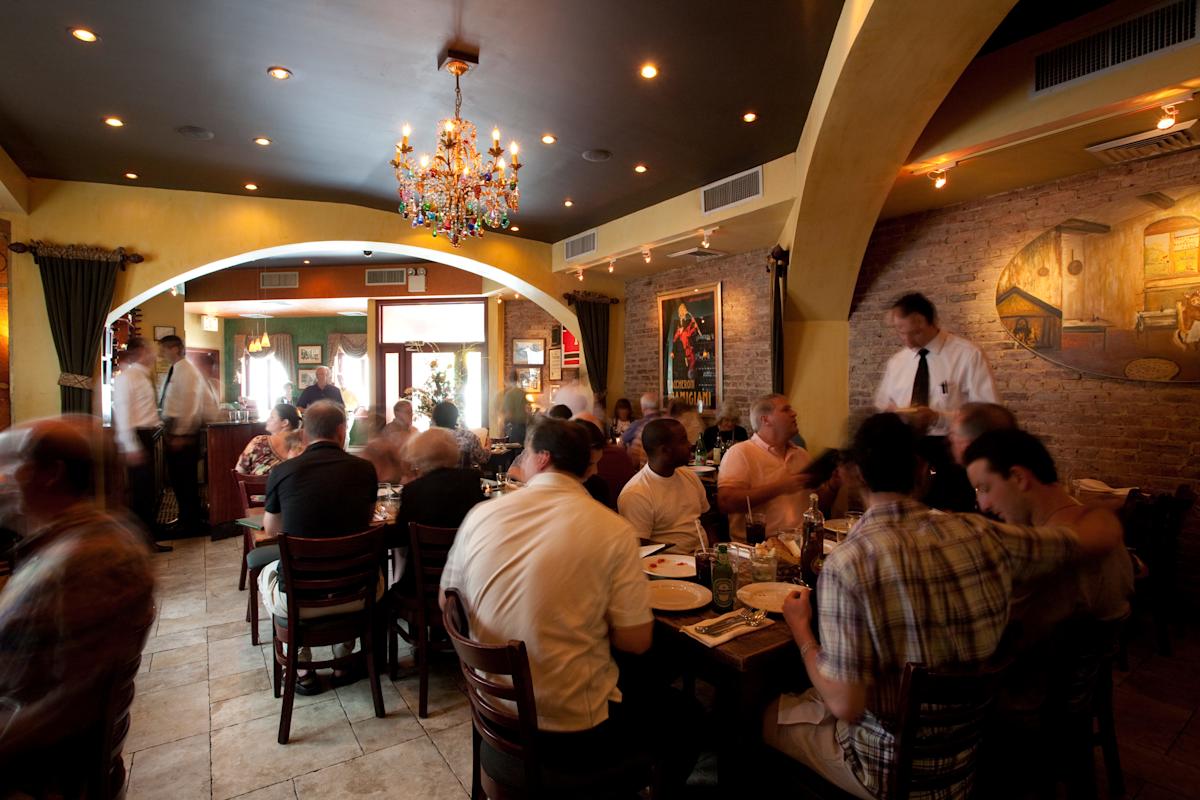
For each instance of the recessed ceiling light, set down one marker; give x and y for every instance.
(640, 168)
(515, 228)
(252, 315)
(568, 203)
(279, 73)
(113, 122)
(133, 176)
(549, 138)
(84, 35)
(749, 116)
(253, 187)
(353, 313)
(262, 140)
(306, 261)
(649, 71)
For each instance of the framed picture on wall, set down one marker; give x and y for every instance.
(307, 378)
(309, 354)
(689, 341)
(529, 351)
(554, 363)
(163, 330)
(530, 378)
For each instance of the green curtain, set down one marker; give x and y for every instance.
(78, 286)
(593, 333)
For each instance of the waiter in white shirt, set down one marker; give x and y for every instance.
(928, 381)
(182, 403)
(936, 372)
(136, 422)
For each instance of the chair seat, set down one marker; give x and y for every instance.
(627, 775)
(259, 557)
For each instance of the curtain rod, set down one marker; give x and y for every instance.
(77, 251)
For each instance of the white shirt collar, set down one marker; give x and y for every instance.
(935, 344)
(760, 442)
(559, 480)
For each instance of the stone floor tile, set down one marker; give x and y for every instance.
(245, 707)
(168, 677)
(236, 685)
(231, 656)
(379, 733)
(247, 756)
(455, 746)
(1151, 723)
(182, 605)
(448, 705)
(276, 791)
(357, 703)
(174, 771)
(231, 630)
(168, 626)
(174, 641)
(167, 715)
(181, 655)
(1155, 768)
(411, 769)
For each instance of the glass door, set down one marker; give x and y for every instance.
(453, 372)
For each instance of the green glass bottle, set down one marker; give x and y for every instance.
(701, 453)
(723, 582)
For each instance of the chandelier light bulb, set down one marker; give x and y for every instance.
(424, 161)
(500, 164)
(495, 134)
(512, 147)
(406, 131)
(1169, 113)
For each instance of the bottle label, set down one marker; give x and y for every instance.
(723, 592)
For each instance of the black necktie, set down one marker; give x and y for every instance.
(162, 398)
(920, 392)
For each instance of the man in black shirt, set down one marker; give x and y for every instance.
(323, 492)
(321, 390)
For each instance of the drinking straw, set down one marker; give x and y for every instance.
(749, 511)
(703, 536)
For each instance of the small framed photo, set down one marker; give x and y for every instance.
(530, 378)
(309, 354)
(529, 351)
(163, 330)
(308, 377)
(554, 363)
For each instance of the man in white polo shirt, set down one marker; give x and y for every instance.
(767, 470)
(664, 501)
(551, 567)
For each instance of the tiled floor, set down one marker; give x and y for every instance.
(205, 719)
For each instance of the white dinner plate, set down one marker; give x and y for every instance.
(650, 549)
(840, 525)
(669, 565)
(765, 595)
(678, 596)
(702, 470)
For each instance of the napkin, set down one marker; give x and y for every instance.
(730, 633)
(1094, 486)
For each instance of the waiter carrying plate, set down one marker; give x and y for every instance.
(929, 380)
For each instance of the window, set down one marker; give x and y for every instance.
(352, 377)
(263, 384)
(432, 322)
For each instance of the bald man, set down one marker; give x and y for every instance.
(79, 604)
(321, 390)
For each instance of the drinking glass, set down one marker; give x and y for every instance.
(854, 517)
(705, 558)
(762, 567)
(501, 478)
(756, 527)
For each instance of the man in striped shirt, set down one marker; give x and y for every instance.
(907, 585)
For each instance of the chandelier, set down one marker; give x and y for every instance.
(456, 192)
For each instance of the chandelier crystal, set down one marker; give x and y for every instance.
(457, 192)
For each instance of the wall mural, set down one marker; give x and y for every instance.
(1116, 294)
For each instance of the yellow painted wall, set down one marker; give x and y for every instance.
(180, 232)
(163, 309)
(196, 336)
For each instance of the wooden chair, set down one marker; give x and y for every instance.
(251, 487)
(323, 574)
(428, 549)
(1153, 524)
(505, 755)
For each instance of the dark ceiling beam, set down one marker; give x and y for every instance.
(1084, 226)
(1158, 200)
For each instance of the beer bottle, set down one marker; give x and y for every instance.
(812, 552)
(724, 583)
(701, 453)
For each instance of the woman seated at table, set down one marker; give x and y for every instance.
(727, 430)
(267, 450)
(622, 417)
(472, 450)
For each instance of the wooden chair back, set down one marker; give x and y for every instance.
(322, 573)
(943, 715)
(430, 547)
(107, 779)
(249, 488)
(498, 679)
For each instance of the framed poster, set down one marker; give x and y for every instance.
(309, 354)
(570, 348)
(554, 363)
(530, 378)
(308, 377)
(163, 330)
(689, 341)
(529, 351)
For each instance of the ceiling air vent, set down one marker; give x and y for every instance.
(582, 245)
(279, 280)
(1155, 30)
(1181, 136)
(699, 253)
(731, 191)
(387, 277)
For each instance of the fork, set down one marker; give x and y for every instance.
(747, 616)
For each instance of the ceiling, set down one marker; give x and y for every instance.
(318, 258)
(362, 68)
(307, 307)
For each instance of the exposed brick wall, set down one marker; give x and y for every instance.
(745, 321)
(524, 319)
(1125, 433)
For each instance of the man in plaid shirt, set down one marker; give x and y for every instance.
(907, 584)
